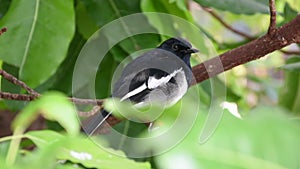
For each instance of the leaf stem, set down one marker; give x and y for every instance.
(7, 138)
(14, 146)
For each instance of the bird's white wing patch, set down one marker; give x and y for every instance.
(154, 83)
(134, 92)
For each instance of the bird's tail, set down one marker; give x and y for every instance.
(96, 123)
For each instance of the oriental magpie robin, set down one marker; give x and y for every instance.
(161, 76)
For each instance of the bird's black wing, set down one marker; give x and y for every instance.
(155, 63)
(138, 85)
(139, 81)
(143, 78)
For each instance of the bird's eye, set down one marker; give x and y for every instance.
(175, 47)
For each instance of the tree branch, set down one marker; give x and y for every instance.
(19, 97)
(86, 101)
(216, 16)
(18, 82)
(272, 26)
(33, 94)
(28, 97)
(285, 35)
(92, 112)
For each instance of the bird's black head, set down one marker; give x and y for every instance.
(179, 47)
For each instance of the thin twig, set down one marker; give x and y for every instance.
(216, 16)
(86, 101)
(19, 97)
(18, 82)
(92, 112)
(33, 94)
(272, 26)
(28, 97)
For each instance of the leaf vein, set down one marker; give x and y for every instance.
(36, 11)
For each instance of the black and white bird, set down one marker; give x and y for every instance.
(162, 75)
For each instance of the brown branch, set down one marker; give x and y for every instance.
(92, 112)
(33, 94)
(229, 27)
(18, 82)
(19, 97)
(272, 26)
(28, 97)
(86, 101)
(285, 35)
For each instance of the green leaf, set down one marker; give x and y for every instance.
(62, 79)
(104, 77)
(265, 139)
(4, 7)
(53, 106)
(173, 21)
(238, 6)
(139, 42)
(292, 64)
(3, 163)
(43, 138)
(182, 4)
(290, 91)
(105, 11)
(295, 4)
(289, 13)
(86, 25)
(163, 26)
(118, 53)
(295, 67)
(39, 33)
(84, 151)
(179, 8)
(44, 157)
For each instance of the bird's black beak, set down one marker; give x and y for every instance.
(192, 51)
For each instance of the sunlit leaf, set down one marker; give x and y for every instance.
(295, 4)
(265, 139)
(43, 138)
(53, 106)
(84, 151)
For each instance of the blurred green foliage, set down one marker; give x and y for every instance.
(45, 37)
